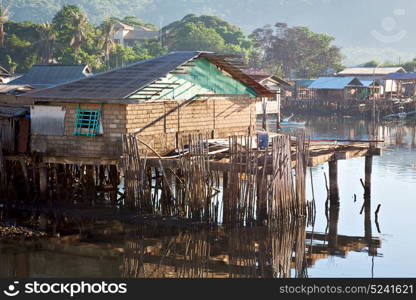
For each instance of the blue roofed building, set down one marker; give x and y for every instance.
(339, 88)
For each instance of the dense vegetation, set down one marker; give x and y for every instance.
(71, 39)
(295, 51)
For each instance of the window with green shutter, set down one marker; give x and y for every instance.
(87, 122)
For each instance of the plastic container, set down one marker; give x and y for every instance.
(262, 140)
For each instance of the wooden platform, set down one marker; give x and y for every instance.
(319, 153)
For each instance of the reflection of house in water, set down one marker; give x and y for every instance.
(154, 252)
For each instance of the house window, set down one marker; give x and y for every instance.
(87, 122)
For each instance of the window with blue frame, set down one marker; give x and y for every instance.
(87, 122)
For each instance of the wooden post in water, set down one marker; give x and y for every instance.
(333, 182)
(372, 250)
(115, 181)
(333, 226)
(368, 172)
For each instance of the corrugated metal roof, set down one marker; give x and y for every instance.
(12, 112)
(334, 83)
(367, 83)
(12, 89)
(402, 76)
(260, 77)
(303, 82)
(4, 72)
(371, 71)
(44, 76)
(122, 83)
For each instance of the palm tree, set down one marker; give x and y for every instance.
(46, 42)
(4, 17)
(80, 23)
(108, 31)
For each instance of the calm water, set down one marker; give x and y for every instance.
(348, 245)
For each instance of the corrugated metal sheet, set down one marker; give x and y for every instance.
(4, 72)
(44, 76)
(402, 76)
(12, 112)
(367, 83)
(12, 89)
(124, 82)
(334, 83)
(371, 71)
(47, 120)
(303, 82)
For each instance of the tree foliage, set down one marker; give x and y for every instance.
(206, 33)
(294, 51)
(72, 39)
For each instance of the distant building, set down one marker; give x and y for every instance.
(45, 76)
(273, 83)
(332, 88)
(277, 85)
(127, 35)
(375, 74)
(406, 83)
(302, 90)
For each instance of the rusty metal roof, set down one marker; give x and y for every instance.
(123, 82)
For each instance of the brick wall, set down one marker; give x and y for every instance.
(224, 117)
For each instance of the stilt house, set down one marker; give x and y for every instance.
(161, 98)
